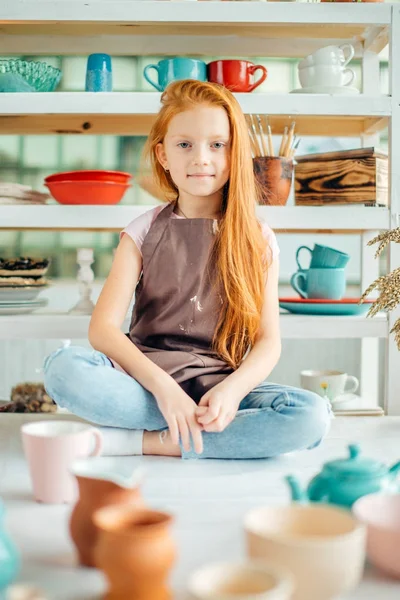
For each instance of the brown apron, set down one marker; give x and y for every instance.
(176, 308)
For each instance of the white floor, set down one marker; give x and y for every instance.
(208, 499)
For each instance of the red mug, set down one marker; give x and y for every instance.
(236, 75)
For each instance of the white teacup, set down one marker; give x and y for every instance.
(245, 580)
(329, 55)
(325, 76)
(332, 384)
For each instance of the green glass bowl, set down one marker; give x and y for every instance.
(28, 76)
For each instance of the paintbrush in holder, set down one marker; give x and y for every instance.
(273, 173)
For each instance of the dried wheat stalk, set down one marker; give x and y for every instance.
(387, 236)
(388, 285)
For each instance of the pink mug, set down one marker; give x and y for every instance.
(50, 447)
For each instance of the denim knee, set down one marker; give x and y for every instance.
(313, 421)
(65, 371)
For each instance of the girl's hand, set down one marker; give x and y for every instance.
(222, 405)
(179, 410)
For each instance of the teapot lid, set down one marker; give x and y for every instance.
(355, 466)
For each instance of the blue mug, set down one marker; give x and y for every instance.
(323, 257)
(320, 283)
(173, 69)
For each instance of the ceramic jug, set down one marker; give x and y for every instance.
(9, 557)
(343, 481)
(135, 551)
(101, 481)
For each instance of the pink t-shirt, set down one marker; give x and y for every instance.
(138, 228)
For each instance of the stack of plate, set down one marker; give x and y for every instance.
(15, 193)
(21, 281)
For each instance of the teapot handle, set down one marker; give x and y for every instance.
(394, 469)
(317, 489)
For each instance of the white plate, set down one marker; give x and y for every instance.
(342, 90)
(21, 308)
(19, 294)
(23, 302)
(347, 397)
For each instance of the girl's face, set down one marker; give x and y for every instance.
(196, 150)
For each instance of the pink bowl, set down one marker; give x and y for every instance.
(381, 514)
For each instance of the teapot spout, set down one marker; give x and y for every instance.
(298, 494)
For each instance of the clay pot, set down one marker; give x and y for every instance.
(274, 176)
(135, 551)
(101, 482)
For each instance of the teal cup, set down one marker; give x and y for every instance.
(323, 257)
(173, 69)
(320, 283)
(10, 560)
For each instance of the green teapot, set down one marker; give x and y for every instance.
(343, 481)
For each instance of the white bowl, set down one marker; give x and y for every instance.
(247, 580)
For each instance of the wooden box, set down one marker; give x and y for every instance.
(357, 176)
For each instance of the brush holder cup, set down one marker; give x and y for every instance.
(274, 178)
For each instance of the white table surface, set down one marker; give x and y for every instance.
(208, 499)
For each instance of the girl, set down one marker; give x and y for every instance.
(190, 378)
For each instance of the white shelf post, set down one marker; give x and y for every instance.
(369, 364)
(392, 359)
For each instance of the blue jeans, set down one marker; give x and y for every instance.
(272, 419)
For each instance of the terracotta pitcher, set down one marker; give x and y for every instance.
(135, 551)
(102, 481)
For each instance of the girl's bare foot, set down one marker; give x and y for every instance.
(159, 443)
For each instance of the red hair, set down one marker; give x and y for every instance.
(240, 248)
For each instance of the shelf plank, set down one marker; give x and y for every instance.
(289, 219)
(47, 325)
(166, 27)
(133, 113)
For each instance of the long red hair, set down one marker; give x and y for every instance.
(240, 249)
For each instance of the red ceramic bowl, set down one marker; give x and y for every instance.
(95, 175)
(87, 192)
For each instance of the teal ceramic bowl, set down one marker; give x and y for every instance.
(345, 306)
(28, 76)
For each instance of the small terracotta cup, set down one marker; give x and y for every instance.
(322, 545)
(274, 175)
(102, 481)
(381, 514)
(135, 551)
(247, 580)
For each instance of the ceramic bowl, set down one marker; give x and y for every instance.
(381, 515)
(247, 580)
(87, 192)
(92, 175)
(17, 294)
(322, 545)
